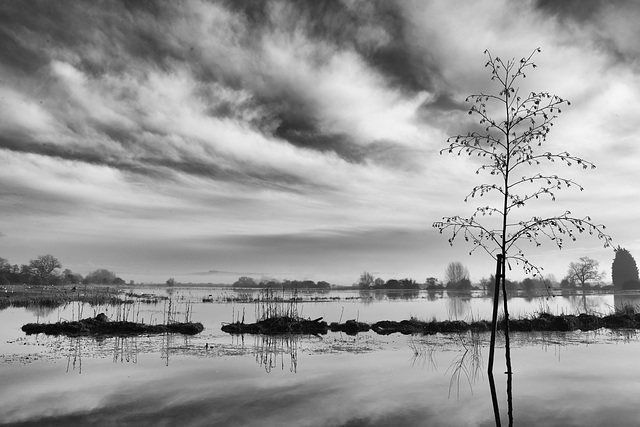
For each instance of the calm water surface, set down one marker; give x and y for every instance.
(563, 379)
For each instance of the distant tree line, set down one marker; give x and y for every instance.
(250, 282)
(367, 281)
(47, 270)
(582, 274)
(585, 272)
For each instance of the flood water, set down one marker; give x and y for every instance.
(560, 379)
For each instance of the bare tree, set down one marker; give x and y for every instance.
(584, 271)
(455, 273)
(514, 127)
(366, 280)
(511, 146)
(43, 267)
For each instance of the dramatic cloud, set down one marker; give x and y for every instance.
(302, 137)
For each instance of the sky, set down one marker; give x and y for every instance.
(207, 140)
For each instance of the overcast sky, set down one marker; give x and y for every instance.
(204, 140)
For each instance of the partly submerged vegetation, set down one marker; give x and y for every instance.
(276, 315)
(100, 325)
(627, 317)
(125, 320)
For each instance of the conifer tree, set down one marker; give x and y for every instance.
(624, 271)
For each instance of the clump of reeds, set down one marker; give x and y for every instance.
(269, 305)
(171, 311)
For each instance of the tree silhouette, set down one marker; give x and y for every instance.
(584, 271)
(43, 267)
(456, 277)
(514, 127)
(510, 145)
(366, 280)
(624, 271)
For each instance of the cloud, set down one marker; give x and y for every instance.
(222, 272)
(208, 121)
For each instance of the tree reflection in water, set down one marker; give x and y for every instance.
(458, 306)
(468, 363)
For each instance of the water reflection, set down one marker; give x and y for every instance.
(434, 295)
(265, 386)
(74, 355)
(620, 301)
(125, 349)
(121, 349)
(267, 348)
(269, 351)
(466, 365)
(367, 297)
(40, 311)
(424, 353)
(404, 294)
(587, 302)
(459, 306)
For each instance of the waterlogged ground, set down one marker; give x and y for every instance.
(563, 379)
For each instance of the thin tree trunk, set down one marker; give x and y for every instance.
(492, 345)
(507, 352)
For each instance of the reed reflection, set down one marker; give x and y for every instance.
(123, 349)
(74, 355)
(268, 349)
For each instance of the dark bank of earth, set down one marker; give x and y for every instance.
(278, 325)
(100, 325)
(542, 322)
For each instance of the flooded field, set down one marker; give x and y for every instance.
(213, 378)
